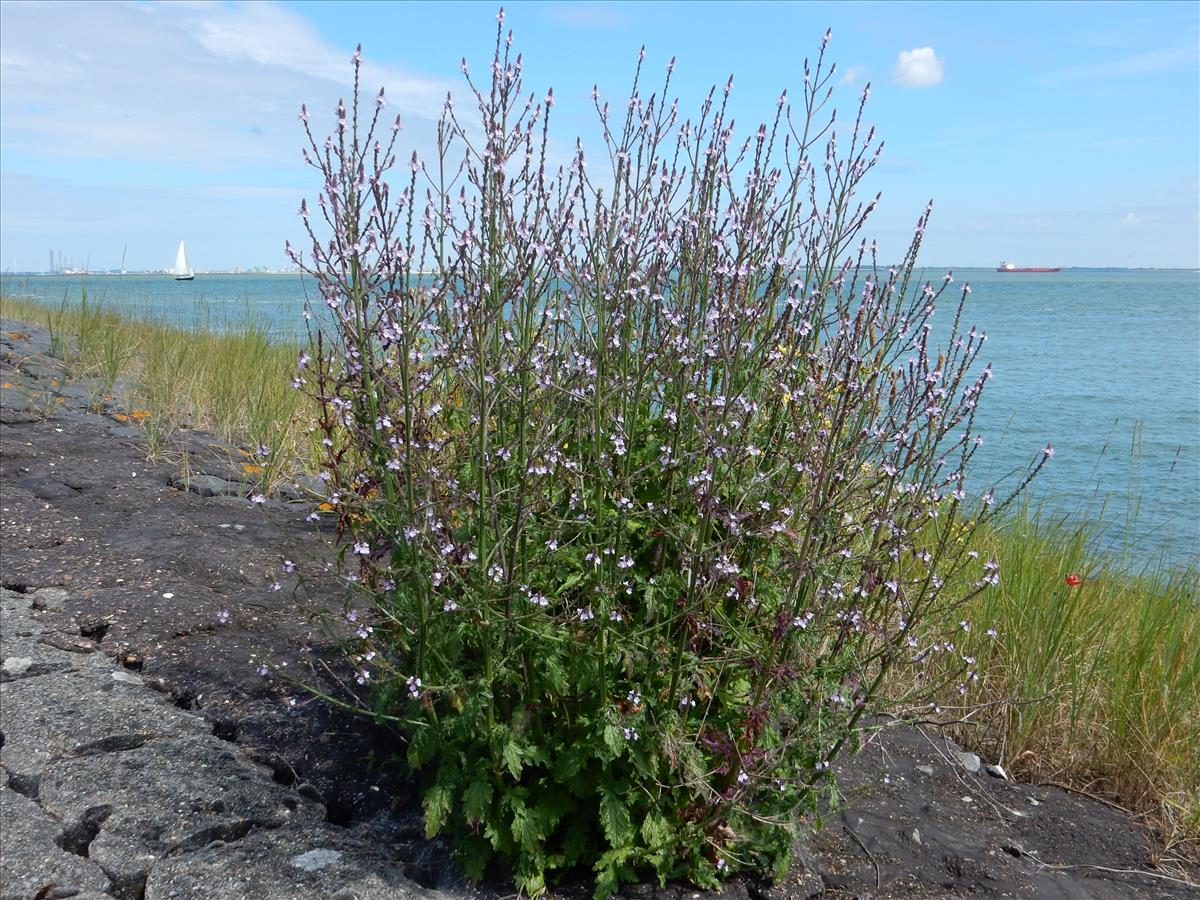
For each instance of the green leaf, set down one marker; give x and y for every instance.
(512, 759)
(648, 600)
(438, 801)
(477, 800)
(531, 878)
(525, 830)
(655, 831)
(421, 747)
(614, 818)
(577, 843)
(474, 853)
(610, 869)
(556, 677)
(614, 740)
(569, 582)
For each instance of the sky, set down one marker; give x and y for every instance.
(1045, 133)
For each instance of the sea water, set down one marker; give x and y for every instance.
(1103, 364)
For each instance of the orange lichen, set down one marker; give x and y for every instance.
(325, 507)
(6, 384)
(121, 417)
(251, 469)
(140, 414)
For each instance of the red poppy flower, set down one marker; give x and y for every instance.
(1074, 580)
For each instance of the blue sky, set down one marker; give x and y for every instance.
(1064, 134)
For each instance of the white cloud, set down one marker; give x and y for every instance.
(210, 86)
(1131, 219)
(151, 118)
(919, 67)
(853, 74)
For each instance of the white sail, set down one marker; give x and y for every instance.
(183, 268)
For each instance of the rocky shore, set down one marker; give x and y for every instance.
(144, 752)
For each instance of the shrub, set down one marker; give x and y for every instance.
(626, 467)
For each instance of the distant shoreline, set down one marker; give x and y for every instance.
(276, 272)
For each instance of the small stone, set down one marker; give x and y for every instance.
(968, 799)
(49, 598)
(210, 486)
(127, 677)
(317, 859)
(970, 762)
(925, 770)
(60, 892)
(916, 836)
(70, 643)
(998, 772)
(17, 665)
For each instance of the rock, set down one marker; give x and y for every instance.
(70, 643)
(16, 413)
(227, 472)
(12, 451)
(127, 677)
(126, 431)
(34, 863)
(47, 488)
(50, 598)
(15, 666)
(211, 486)
(22, 638)
(81, 711)
(168, 798)
(998, 772)
(970, 761)
(925, 770)
(263, 865)
(291, 493)
(314, 860)
(916, 836)
(311, 487)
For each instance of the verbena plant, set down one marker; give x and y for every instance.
(626, 467)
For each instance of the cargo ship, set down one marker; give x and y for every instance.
(1013, 267)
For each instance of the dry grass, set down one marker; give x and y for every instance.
(236, 384)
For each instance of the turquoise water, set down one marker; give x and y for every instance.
(1105, 364)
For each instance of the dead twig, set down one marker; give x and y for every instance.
(870, 855)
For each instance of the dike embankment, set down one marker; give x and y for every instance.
(144, 755)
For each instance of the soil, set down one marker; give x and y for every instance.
(149, 569)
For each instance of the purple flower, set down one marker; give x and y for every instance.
(223, 616)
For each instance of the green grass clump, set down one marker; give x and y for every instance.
(235, 383)
(1093, 675)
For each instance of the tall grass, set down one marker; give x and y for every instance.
(235, 383)
(1093, 675)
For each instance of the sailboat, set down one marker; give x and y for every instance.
(183, 268)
